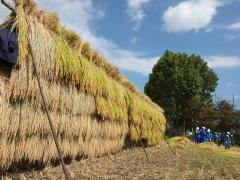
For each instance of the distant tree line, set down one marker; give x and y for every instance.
(183, 86)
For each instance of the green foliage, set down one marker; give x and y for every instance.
(207, 116)
(176, 81)
(219, 116)
(237, 138)
(227, 117)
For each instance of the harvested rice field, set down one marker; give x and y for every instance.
(205, 161)
(97, 113)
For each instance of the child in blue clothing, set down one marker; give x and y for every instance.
(203, 135)
(215, 137)
(232, 139)
(209, 136)
(219, 139)
(197, 136)
(227, 141)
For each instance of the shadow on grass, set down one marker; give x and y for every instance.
(24, 166)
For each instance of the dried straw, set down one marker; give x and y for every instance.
(92, 105)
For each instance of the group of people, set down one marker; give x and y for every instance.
(205, 135)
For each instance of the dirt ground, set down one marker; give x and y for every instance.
(187, 162)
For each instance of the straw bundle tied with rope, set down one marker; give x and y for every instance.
(92, 106)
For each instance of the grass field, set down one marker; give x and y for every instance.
(204, 161)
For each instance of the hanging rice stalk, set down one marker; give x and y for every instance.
(92, 106)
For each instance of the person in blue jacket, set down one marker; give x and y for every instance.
(203, 135)
(209, 136)
(222, 138)
(197, 136)
(219, 139)
(227, 141)
(232, 140)
(215, 137)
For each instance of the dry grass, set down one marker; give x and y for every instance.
(92, 106)
(72, 38)
(26, 135)
(51, 22)
(22, 86)
(192, 162)
(179, 142)
(44, 150)
(22, 31)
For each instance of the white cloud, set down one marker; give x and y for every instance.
(234, 26)
(78, 15)
(190, 15)
(223, 61)
(74, 14)
(136, 12)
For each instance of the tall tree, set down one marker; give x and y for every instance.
(178, 80)
(227, 118)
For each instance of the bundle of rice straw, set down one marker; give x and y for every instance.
(92, 106)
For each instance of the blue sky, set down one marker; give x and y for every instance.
(133, 34)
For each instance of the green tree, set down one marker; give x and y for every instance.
(202, 115)
(176, 82)
(227, 118)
